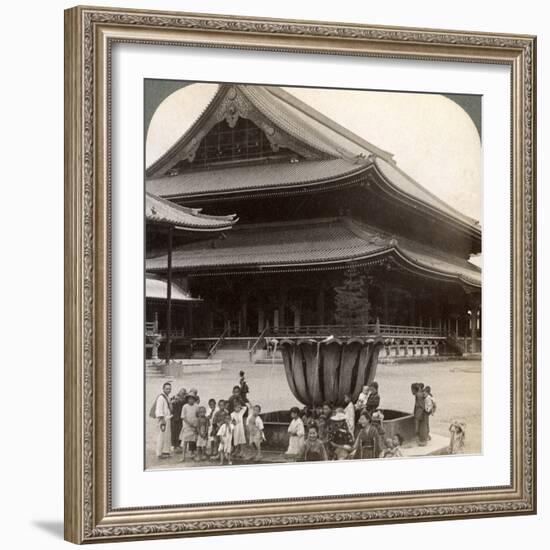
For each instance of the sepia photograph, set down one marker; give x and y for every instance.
(312, 274)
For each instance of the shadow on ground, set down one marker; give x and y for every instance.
(52, 527)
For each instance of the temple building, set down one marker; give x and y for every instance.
(166, 303)
(312, 198)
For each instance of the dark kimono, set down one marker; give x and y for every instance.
(421, 419)
(373, 402)
(231, 402)
(175, 421)
(244, 391)
(314, 451)
(369, 442)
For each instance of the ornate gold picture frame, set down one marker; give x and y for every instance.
(90, 34)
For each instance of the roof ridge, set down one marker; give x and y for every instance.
(306, 109)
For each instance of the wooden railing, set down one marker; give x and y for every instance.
(357, 330)
(216, 344)
(258, 341)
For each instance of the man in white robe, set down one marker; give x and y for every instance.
(163, 413)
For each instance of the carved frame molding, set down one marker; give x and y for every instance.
(89, 34)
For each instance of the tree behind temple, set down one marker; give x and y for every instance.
(351, 300)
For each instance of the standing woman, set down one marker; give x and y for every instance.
(369, 442)
(177, 404)
(419, 413)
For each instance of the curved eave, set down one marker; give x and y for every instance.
(164, 213)
(284, 189)
(393, 190)
(399, 256)
(194, 228)
(429, 271)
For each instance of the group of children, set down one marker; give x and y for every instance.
(340, 433)
(229, 428)
(219, 431)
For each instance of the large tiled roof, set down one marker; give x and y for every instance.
(343, 151)
(404, 184)
(161, 211)
(307, 124)
(256, 177)
(316, 242)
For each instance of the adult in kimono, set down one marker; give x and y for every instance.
(163, 414)
(178, 401)
(421, 417)
(370, 439)
(373, 399)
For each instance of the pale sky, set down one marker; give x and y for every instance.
(430, 136)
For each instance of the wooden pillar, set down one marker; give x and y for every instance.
(282, 305)
(456, 327)
(168, 351)
(297, 315)
(385, 305)
(244, 315)
(261, 319)
(475, 311)
(321, 306)
(412, 310)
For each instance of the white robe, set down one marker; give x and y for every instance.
(239, 435)
(296, 433)
(225, 434)
(349, 411)
(163, 415)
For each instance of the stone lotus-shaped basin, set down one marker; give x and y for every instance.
(326, 371)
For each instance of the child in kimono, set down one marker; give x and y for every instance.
(340, 440)
(255, 427)
(429, 401)
(210, 412)
(387, 451)
(225, 438)
(397, 441)
(217, 421)
(189, 425)
(322, 429)
(362, 399)
(314, 449)
(458, 435)
(296, 434)
(244, 387)
(202, 434)
(239, 435)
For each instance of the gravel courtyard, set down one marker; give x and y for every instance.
(456, 386)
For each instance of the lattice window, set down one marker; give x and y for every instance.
(223, 144)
